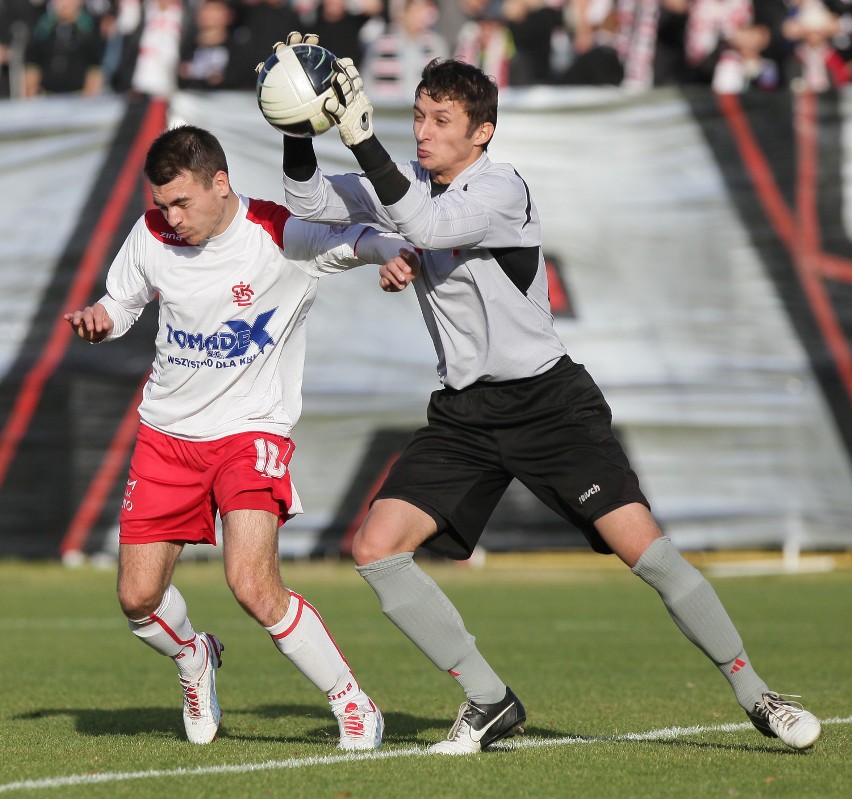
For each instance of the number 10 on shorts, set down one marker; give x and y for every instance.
(268, 461)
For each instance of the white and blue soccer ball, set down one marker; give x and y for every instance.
(292, 87)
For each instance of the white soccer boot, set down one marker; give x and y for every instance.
(201, 714)
(361, 724)
(776, 717)
(477, 726)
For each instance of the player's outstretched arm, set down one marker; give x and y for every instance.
(352, 112)
(91, 323)
(398, 272)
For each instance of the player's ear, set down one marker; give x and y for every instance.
(483, 134)
(222, 183)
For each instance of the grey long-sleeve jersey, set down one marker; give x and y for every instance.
(483, 285)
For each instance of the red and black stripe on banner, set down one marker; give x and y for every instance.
(781, 157)
(68, 409)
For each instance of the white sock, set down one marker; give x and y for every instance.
(169, 631)
(302, 637)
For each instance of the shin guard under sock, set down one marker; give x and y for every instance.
(700, 615)
(415, 604)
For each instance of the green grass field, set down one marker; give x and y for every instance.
(619, 703)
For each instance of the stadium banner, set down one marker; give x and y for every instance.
(700, 265)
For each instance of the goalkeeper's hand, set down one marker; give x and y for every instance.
(350, 109)
(294, 37)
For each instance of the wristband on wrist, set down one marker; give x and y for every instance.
(300, 160)
(390, 184)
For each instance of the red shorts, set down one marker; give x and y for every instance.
(176, 487)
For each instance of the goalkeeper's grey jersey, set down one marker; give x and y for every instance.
(483, 284)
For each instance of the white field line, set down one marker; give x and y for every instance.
(668, 733)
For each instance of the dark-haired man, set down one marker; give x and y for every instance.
(235, 278)
(513, 404)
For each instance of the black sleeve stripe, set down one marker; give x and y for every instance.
(529, 199)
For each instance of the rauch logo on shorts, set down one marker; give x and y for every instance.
(586, 494)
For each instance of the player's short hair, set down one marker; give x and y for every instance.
(185, 148)
(463, 83)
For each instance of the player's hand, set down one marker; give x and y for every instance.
(397, 273)
(294, 37)
(92, 323)
(350, 109)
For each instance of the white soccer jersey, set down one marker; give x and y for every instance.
(483, 283)
(230, 348)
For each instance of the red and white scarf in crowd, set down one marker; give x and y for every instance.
(823, 68)
(636, 41)
(712, 21)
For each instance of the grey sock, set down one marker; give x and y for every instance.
(414, 603)
(700, 615)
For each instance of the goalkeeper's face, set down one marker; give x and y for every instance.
(194, 211)
(446, 146)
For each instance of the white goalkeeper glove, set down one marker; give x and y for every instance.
(294, 37)
(351, 109)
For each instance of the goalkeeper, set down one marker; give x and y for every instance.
(513, 403)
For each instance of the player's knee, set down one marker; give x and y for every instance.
(376, 541)
(392, 527)
(245, 587)
(258, 594)
(366, 548)
(138, 601)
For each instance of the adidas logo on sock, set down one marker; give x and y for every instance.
(738, 664)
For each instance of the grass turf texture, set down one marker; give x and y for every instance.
(588, 648)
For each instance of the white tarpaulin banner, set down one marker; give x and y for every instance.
(676, 304)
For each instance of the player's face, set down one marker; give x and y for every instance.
(444, 146)
(196, 213)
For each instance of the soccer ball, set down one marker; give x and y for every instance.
(292, 86)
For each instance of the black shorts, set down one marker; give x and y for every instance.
(553, 432)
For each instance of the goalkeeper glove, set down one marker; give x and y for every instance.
(351, 109)
(294, 37)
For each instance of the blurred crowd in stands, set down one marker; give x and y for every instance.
(153, 47)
